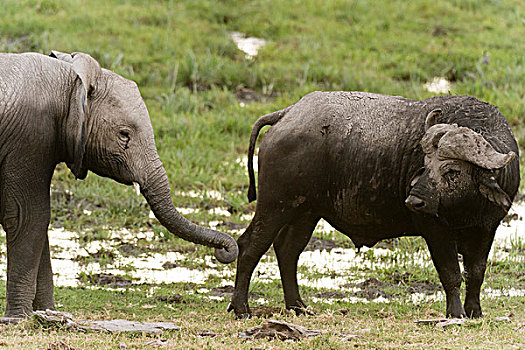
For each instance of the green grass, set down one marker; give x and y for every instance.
(189, 70)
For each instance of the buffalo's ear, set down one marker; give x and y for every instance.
(431, 118)
(490, 189)
(87, 71)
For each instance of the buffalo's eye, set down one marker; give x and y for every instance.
(451, 175)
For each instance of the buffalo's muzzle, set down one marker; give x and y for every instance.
(415, 203)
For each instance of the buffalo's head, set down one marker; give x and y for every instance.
(459, 167)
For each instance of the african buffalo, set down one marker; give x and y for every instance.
(378, 167)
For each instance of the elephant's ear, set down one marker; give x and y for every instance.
(87, 72)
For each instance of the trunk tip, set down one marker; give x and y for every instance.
(228, 254)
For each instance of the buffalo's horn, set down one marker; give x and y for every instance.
(470, 146)
(430, 140)
(431, 119)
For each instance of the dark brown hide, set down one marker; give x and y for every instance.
(378, 167)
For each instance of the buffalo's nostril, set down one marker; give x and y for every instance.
(414, 203)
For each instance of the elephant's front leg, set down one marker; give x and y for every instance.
(44, 286)
(25, 218)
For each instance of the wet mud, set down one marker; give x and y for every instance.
(108, 280)
(372, 289)
(337, 270)
(326, 244)
(172, 299)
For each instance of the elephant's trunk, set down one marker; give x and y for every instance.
(156, 190)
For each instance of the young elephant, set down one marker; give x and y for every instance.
(65, 108)
(378, 167)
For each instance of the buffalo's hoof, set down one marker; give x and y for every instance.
(473, 309)
(240, 314)
(474, 313)
(302, 310)
(456, 314)
(243, 316)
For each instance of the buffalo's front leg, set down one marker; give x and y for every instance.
(288, 245)
(475, 248)
(445, 257)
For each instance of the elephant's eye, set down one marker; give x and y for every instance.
(124, 136)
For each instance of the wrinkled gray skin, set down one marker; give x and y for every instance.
(66, 108)
(378, 167)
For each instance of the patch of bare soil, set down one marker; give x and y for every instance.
(369, 289)
(60, 345)
(372, 288)
(206, 333)
(225, 291)
(128, 249)
(331, 295)
(386, 243)
(102, 255)
(171, 265)
(247, 95)
(172, 299)
(133, 250)
(423, 287)
(415, 286)
(265, 311)
(109, 280)
(325, 244)
(195, 85)
(231, 225)
(284, 331)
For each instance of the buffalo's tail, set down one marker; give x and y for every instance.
(268, 119)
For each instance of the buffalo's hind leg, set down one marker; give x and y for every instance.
(288, 245)
(475, 248)
(253, 243)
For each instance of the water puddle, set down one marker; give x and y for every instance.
(512, 229)
(249, 45)
(212, 211)
(438, 85)
(210, 194)
(340, 271)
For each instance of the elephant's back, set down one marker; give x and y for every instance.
(32, 92)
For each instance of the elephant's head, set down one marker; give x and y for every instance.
(108, 131)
